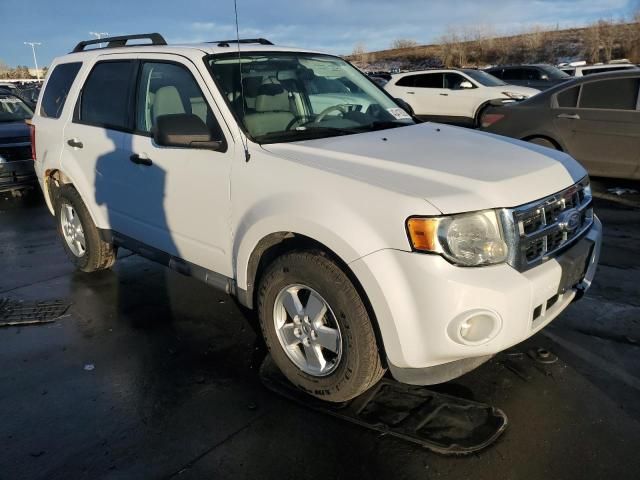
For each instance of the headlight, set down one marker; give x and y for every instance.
(515, 96)
(469, 239)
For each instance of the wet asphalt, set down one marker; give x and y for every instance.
(154, 375)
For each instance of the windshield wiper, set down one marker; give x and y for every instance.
(306, 134)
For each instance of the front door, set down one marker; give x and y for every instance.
(180, 196)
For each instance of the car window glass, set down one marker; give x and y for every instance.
(512, 74)
(568, 98)
(58, 86)
(452, 81)
(168, 89)
(532, 74)
(618, 94)
(105, 95)
(408, 81)
(430, 80)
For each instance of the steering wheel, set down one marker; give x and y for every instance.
(326, 111)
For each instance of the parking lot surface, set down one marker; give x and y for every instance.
(154, 375)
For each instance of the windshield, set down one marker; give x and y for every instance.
(553, 72)
(12, 109)
(288, 97)
(484, 78)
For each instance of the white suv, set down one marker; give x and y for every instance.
(364, 240)
(453, 96)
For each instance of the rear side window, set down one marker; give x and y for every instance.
(498, 72)
(408, 81)
(58, 86)
(618, 94)
(569, 98)
(430, 80)
(513, 74)
(105, 99)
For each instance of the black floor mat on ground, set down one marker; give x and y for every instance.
(439, 422)
(15, 313)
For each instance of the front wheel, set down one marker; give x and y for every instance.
(317, 328)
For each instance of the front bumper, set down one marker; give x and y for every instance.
(17, 175)
(416, 297)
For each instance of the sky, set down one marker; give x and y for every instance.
(335, 26)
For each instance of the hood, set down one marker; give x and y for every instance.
(529, 92)
(11, 131)
(454, 169)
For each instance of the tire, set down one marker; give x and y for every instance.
(356, 365)
(96, 254)
(543, 142)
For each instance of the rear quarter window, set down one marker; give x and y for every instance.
(58, 86)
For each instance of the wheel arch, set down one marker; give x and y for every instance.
(549, 138)
(276, 244)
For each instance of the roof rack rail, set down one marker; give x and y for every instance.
(225, 43)
(121, 41)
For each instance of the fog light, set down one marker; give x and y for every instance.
(475, 327)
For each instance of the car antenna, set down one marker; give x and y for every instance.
(245, 143)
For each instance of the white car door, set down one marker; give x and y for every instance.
(463, 100)
(424, 92)
(180, 196)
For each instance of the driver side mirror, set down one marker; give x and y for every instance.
(184, 130)
(405, 106)
(466, 84)
(544, 76)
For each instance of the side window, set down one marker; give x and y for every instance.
(452, 81)
(105, 97)
(408, 81)
(618, 94)
(532, 74)
(169, 89)
(499, 72)
(513, 74)
(568, 98)
(430, 80)
(58, 86)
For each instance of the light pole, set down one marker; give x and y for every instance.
(33, 49)
(99, 35)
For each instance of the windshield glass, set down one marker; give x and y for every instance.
(484, 78)
(12, 109)
(553, 72)
(288, 97)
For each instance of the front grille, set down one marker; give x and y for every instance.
(540, 230)
(18, 152)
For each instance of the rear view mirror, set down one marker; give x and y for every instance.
(466, 85)
(184, 130)
(544, 76)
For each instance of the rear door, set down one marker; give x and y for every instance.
(602, 130)
(94, 153)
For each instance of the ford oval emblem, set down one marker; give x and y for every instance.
(569, 220)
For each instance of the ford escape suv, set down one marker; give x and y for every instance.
(364, 240)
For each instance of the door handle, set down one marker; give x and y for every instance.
(444, 94)
(138, 160)
(75, 143)
(569, 116)
(411, 93)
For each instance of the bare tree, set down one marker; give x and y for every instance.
(591, 41)
(403, 43)
(606, 29)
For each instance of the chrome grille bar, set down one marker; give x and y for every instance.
(538, 231)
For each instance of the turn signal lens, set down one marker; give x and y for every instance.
(423, 233)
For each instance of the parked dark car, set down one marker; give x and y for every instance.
(16, 160)
(595, 119)
(540, 76)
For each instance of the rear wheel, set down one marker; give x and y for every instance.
(317, 328)
(80, 237)
(543, 142)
